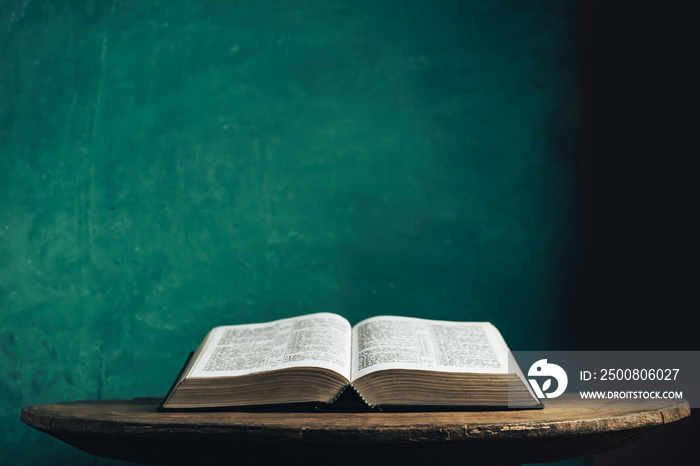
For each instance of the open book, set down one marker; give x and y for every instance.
(383, 362)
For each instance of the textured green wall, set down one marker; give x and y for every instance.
(166, 167)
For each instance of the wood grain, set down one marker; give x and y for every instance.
(565, 429)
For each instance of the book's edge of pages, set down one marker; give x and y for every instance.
(453, 408)
(270, 408)
(161, 407)
(519, 373)
(344, 395)
(346, 400)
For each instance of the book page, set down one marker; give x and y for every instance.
(315, 340)
(389, 342)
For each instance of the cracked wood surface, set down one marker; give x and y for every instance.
(566, 428)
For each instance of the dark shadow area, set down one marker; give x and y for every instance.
(673, 444)
(639, 134)
(639, 130)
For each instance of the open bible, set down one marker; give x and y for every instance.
(384, 362)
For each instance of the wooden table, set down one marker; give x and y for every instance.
(566, 428)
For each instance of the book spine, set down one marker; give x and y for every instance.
(360, 395)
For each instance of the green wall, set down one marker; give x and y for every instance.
(166, 167)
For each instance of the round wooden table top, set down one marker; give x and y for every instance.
(566, 428)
